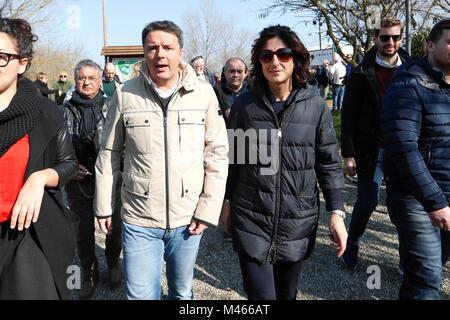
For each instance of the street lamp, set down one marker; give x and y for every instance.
(319, 21)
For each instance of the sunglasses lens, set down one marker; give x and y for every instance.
(386, 38)
(284, 55)
(266, 56)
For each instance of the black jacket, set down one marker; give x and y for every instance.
(43, 88)
(361, 115)
(51, 147)
(275, 210)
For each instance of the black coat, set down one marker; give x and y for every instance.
(275, 212)
(361, 115)
(51, 147)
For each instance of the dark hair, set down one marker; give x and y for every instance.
(437, 30)
(20, 31)
(301, 72)
(233, 59)
(389, 22)
(166, 26)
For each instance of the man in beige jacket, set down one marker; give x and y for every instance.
(167, 126)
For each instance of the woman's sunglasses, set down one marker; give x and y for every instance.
(396, 38)
(283, 54)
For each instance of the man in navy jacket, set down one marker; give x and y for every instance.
(416, 127)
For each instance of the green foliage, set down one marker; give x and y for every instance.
(419, 43)
(337, 124)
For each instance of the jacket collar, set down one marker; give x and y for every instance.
(188, 80)
(369, 59)
(297, 95)
(426, 75)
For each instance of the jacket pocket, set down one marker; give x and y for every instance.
(192, 130)
(137, 132)
(136, 185)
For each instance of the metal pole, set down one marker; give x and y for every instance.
(104, 23)
(408, 26)
(320, 33)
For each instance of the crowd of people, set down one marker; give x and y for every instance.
(160, 158)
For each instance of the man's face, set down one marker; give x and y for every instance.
(63, 77)
(88, 82)
(440, 52)
(163, 56)
(110, 72)
(199, 66)
(388, 41)
(235, 74)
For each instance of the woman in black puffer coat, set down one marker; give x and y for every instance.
(272, 202)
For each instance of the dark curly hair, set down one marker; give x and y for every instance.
(301, 72)
(20, 31)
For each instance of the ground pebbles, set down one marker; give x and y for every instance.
(217, 274)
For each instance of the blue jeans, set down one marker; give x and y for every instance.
(366, 201)
(144, 252)
(338, 96)
(423, 251)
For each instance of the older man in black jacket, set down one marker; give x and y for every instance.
(362, 141)
(416, 126)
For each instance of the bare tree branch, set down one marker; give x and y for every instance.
(347, 21)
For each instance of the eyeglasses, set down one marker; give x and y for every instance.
(283, 54)
(396, 38)
(91, 79)
(5, 58)
(62, 76)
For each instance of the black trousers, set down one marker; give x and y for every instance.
(80, 195)
(24, 270)
(269, 281)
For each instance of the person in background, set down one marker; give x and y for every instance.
(324, 78)
(338, 71)
(235, 73)
(37, 238)
(41, 84)
(362, 139)
(272, 211)
(110, 80)
(202, 71)
(416, 128)
(85, 115)
(63, 85)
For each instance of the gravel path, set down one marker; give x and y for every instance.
(217, 274)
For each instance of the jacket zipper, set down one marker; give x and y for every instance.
(166, 151)
(271, 255)
(166, 154)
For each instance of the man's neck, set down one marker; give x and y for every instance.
(437, 65)
(235, 90)
(389, 60)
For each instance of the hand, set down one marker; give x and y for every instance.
(338, 234)
(82, 173)
(349, 166)
(106, 225)
(441, 218)
(196, 228)
(29, 200)
(225, 217)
